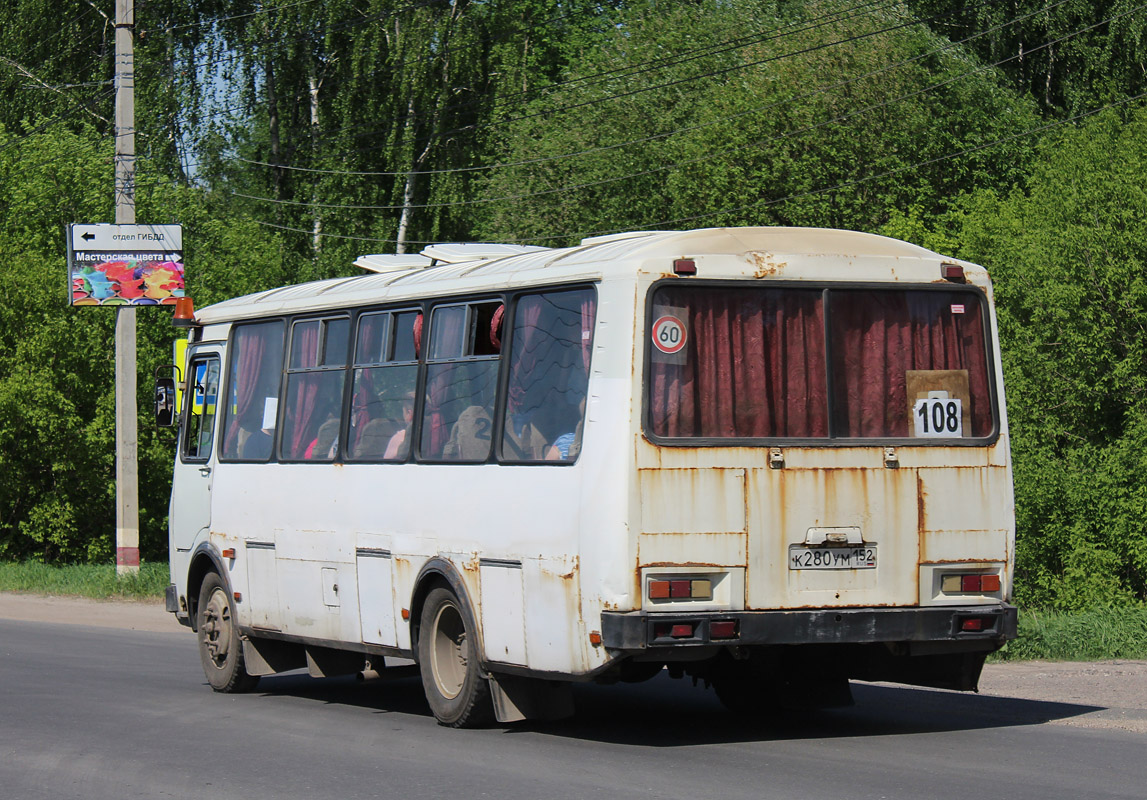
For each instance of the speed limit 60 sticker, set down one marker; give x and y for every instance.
(669, 334)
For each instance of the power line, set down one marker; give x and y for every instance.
(886, 173)
(653, 137)
(689, 162)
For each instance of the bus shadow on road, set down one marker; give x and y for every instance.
(673, 713)
(667, 713)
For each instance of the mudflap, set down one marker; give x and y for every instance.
(517, 699)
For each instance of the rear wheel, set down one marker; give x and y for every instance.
(220, 649)
(448, 658)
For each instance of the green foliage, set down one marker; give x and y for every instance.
(1069, 265)
(57, 400)
(817, 118)
(1071, 56)
(1099, 634)
(85, 580)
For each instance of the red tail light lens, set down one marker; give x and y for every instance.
(673, 630)
(723, 629)
(680, 588)
(970, 583)
(972, 624)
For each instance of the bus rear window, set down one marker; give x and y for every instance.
(816, 363)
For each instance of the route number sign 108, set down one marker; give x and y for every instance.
(936, 416)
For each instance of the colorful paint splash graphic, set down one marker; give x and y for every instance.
(122, 283)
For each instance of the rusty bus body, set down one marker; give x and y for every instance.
(856, 523)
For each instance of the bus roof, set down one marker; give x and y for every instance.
(446, 269)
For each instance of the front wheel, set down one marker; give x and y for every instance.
(448, 658)
(220, 649)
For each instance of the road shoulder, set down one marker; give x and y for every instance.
(143, 615)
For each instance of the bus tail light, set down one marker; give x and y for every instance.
(723, 629)
(681, 589)
(972, 624)
(953, 273)
(673, 630)
(970, 584)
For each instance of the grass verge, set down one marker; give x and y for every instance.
(84, 580)
(1096, 635)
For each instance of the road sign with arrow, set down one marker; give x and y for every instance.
(119, 265)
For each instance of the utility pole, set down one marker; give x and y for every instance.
(126, 412)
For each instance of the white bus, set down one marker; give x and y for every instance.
(773, 459)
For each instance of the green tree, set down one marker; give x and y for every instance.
(1071, 56)
(1068, 260)
(820, 115)
(57, 403)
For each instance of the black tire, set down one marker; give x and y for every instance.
(220, 649)
(447, 657)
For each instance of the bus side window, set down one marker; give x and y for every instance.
(255, 370)
(382, 397)
(315, 377)
(461, 382)
(549, 376)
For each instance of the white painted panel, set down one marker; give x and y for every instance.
(692, 500)
(376, 597)
(331, 588)
(503, 613)
(262, 596)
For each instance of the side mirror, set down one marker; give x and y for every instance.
(166, 415)
(166, 398)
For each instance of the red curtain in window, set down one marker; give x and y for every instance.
(753, 365)
(370, 330)
(588, 309)
(525, 354)
(877, 337)
(251, 343)
(303, 388)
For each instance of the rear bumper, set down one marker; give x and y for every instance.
(640, 630)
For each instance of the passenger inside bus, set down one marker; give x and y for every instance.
(398, 446)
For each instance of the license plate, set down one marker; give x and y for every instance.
(802, 557)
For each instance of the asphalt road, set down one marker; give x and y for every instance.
(106, 713)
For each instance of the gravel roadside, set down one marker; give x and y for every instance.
(1115, 691)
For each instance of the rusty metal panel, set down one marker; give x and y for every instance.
(964, 499)
(970, 545)
(785, 503)
(716, 549)
(692, 501)
(555, 633)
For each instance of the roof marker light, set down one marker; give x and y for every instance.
(953, 272)
(685, 266)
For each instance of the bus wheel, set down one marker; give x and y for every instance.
(219, 647)
(447, 655)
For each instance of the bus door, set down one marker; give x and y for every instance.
(190, 513)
